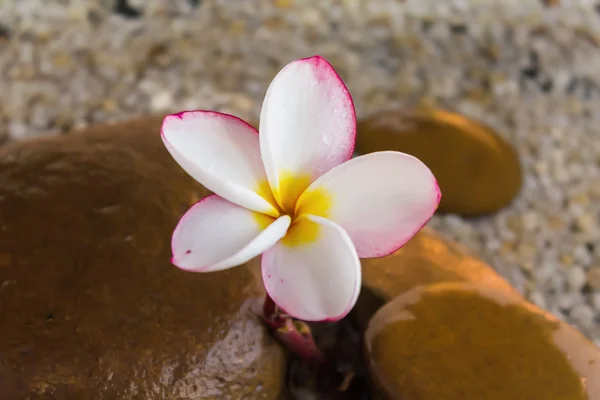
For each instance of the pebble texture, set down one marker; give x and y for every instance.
(527, 69)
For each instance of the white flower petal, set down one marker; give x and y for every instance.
(216, 234)
(307, 126)
(222, 152)
(381, 199)
(317, 275)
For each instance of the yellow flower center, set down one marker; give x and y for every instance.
(286, 202)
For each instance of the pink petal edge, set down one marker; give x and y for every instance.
(239, 168)
(400, 244)
(222, 215)
(343, 314)
(330, 319)
(324, 70)
(214, 114)
(349, 307)
(202, 200)
(325, 74)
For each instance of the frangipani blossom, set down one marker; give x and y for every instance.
(293, 194)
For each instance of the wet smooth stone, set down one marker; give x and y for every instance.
(457, 341)
(426, 258)
(478, 172)
(90, 306)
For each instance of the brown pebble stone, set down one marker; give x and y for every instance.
(457, 341)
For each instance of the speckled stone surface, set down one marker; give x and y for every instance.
(528, 70)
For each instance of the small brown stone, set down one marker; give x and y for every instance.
(477, 171)
(458, 341)
(90, 306)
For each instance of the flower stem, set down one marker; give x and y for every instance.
(293, 334)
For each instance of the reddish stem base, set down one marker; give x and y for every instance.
(330, 372)
(294, 334)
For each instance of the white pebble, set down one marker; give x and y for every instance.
(17, 130)
(538, 299)
(566, 301)
(161, 101)
(583, 315)
(595, 300)
(575, 278)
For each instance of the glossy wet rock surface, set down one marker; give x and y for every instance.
(459, 341)
(478, 172)
(90, 306)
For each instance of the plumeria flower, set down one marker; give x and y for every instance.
(293, 194)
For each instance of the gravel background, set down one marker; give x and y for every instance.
(529, 70)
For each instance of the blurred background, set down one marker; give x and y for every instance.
(528, 69)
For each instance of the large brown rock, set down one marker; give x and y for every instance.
(477, 171)
(457, 341)
(90, 306)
